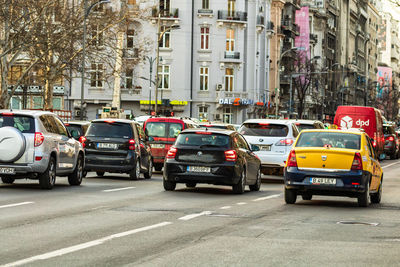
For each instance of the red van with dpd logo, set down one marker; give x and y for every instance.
(367, 118)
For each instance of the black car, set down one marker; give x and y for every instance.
(117, 146)
(77, 128)
(391, 141)
(212, 156)
(218, 126)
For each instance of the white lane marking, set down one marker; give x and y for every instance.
(241, 203)
(389, 165)
(268, 197)
(16, 205)
(225, 207)
(192, 216)
(118, 189)
(89, 244)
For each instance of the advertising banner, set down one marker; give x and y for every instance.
(384, 78)
(302, 42)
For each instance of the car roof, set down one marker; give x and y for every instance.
(34, 113)
(352, 131)
(310, 122)
(211, 130)
(115, 120)
(184, 119)
(78, 122)
(272, 121)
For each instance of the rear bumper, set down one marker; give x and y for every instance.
(221, 174)
(35, 167)
(349, 183)
(272, 160)
(107, 163)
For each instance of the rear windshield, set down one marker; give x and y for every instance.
(112, 130)
(75, 130)
(301, 126)
(194, 139)
(163, 129)
(329, 139)
(25, 124)
(261, 129)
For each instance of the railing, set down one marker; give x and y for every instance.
(165, 13)
(232, 15)
(260, 20)
(205, 11)
(231, 55)
(270, 26)
(231, 94)
(313, 37)
(288, 25)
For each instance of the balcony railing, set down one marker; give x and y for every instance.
(260, 20)
(269, 26)
(165, 13)
(288, 25)
(313, 37)
(231, 94)
(231, 55)
(204, 11)
(232, 15)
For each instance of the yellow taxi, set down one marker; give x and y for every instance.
(335, 163)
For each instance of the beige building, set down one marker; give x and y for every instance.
(373, 26)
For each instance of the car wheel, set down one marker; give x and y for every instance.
(290, 196)
(191, 184)
(134, 174)
(149, 172)
(158, 167)
(75, 178)
(376, 197)
(257, 185)
(241, 185)
(169, 186)
(48, 178)
(364, 198)
(306, 197)
(84, 173)
(100, 174)
(7, 180)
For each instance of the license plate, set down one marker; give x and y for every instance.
(107, 145)
(198, 169)
(328, 181)
(157, 145)
(7, 170)
(265, 148)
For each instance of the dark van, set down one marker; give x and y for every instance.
(367, 118)
(162, 133)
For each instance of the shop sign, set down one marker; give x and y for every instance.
(159, 102)
(235, 101)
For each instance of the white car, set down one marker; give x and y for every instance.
(308, 124)
(274, 139)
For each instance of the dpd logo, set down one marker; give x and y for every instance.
(346, 122)
(361, 123)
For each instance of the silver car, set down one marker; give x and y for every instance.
(37, 145)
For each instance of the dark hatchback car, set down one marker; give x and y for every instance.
(391, 141)
(77, 128)
(212, 156)
(117, 146)
(218, 126)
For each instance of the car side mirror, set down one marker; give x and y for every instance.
(254, 148)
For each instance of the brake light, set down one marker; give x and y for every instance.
(83, 139)
(110, 121)
(66, 124)
(391, 138)
(203, 133)
(285, 142)
(357, 162)
(292, 161)
(39, 138)
(132, 143)
(374, 143)
(38, 158)
(263, 123)
(7, 114)
(230, 155)
(172, 153)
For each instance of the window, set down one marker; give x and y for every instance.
(96, 35)
(204, 38)
(203, 113)
(164, 42)
(230, 40)
(96, 75)
(165, 7)
(203, 78)
(131, 2)
(15, 102)
(270, 130)
(57, 103)
(231, 8)
(60, 126)
(227, 116)
(229, 85)
(128, 79)
(205, 4)
(130, 35)
(163, 77)
(37, 102)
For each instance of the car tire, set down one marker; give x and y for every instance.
(241, 185)
(364, 197)
(134, 174)
(48, 178)
(376, 197)
(191, 185)
(84, 174)
(149, 172)
(75, 178)
(169, 186)
(306, 197)
(7, 180)
(100, 174)
(158, 167)
(257, 185)
(290, 196)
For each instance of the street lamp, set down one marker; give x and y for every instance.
(86, 13)
(151, 62)
(159, 37)
(279, 78)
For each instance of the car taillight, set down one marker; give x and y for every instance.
(171, 153)
(292, 162)
(7, 114)
(132, 143)
(230, 155)
(83, 139)
(285, 142)
(39, 138)
(357, 162)
(391, 138)
(374, 143)
(204, 133)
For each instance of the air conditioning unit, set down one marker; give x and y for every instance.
(219, 87)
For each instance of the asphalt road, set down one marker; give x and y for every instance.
(113, 221)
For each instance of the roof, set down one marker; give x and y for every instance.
(78, 122)
(210, 130)
(351, 130)
(114, 120)
(272, 121)
(34, 113)
(310, 122)
(171, 118)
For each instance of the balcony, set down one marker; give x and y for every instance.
(231, 56)
(171, 14)
(260, 20)
(295, 3)
(313, 38)
(269, 26)
(130, 53)
(289, 26)
(205, 13)
(231, 94)
(232, 16)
